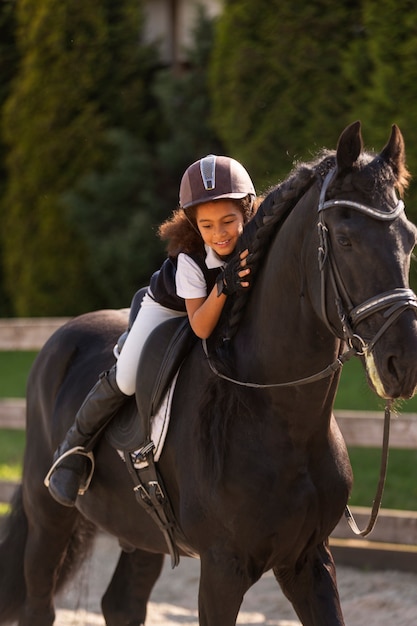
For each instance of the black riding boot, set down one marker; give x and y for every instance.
(69, 473)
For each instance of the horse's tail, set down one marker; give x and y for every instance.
(12, 546)
(13, 537)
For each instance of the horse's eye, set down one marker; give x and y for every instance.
(343, 241)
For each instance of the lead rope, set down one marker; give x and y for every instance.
(381, 484)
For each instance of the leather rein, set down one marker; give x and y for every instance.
(394, 302)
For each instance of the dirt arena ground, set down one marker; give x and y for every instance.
(369, 598)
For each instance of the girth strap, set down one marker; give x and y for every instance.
(151, 495)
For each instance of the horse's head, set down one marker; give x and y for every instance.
(366, 243)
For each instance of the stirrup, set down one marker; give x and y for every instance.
(76, 450)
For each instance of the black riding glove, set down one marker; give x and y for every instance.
(228, 280)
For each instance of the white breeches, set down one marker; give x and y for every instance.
(150, 315)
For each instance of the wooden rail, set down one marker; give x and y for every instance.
(394, 539)
(359, 428)
(27, 333)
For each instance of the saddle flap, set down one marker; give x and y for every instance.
(162, 355)
(164, 351)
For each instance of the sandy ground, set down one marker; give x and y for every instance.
(369, 598)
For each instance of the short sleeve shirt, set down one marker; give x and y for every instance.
(189, 279)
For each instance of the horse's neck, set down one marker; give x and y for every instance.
(281, 328)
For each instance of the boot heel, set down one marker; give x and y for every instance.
(68, 476)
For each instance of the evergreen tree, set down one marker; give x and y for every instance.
(276, 80)
(184, 102)
(118, 208)
(383, 73)
(382, 68)
(77, 80)
(8, 64)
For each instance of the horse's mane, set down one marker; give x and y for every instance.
(223, 401)
(271, 214)
(278, 204)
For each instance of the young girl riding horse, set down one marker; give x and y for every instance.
(216, 199)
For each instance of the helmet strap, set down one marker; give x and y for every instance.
(192, 223)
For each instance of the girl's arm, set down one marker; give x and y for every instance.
(204, 313)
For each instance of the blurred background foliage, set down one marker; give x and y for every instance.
(96, 130)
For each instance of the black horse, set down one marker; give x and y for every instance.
(256, 470)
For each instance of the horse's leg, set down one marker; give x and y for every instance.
(50, 530)
(223, 583)
(126, 598)
(312, 589)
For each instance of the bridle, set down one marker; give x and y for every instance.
(393, 302)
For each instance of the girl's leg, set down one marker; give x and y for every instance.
(150, 315)
(67, 475)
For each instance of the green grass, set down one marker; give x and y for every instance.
(354, 394)
(401, 483)
(12, 443)
(14, 369)
(4, 509)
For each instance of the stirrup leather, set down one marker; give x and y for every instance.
(76, 450)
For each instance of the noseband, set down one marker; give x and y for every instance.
(394, 302)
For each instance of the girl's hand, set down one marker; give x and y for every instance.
(204, 313)
(245, 268)
(233, 276)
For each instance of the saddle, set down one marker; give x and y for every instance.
(130, 430)
(162, 355)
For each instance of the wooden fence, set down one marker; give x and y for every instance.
(394, 539)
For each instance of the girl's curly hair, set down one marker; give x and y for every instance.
(180, 230)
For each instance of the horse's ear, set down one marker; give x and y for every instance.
(349, 146)
(394, 151)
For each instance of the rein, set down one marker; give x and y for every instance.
(327, 371)
(381, 482)
(394, 302)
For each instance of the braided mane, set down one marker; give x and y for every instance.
(222, 400)
(280, 201)
(271, 214)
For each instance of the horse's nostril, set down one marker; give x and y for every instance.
(402, 382)
(392, 368)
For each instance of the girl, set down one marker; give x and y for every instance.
(216, 200)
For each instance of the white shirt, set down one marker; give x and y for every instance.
(189, 279)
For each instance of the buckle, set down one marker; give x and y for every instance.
(142, 493)
(155, 491)
(141, 455)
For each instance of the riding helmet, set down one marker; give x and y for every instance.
(212, 178)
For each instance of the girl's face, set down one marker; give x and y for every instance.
(220, 223)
